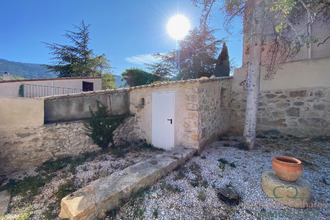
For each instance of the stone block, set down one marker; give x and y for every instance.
(293, 194)
(301, 93)
(192, 107)
(293, 112)
(319, 107)
(107, 193)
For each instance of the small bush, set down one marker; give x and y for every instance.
(101, 127)
(201, 196)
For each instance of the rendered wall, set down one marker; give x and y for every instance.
(11, 88)
(21, 112)
(76, 106)
(296, 101)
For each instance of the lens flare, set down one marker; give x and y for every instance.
(178, 27)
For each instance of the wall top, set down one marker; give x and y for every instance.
(64, 78)
(91, 93)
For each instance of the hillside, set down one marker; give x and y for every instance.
(25, 70)
(33, 71)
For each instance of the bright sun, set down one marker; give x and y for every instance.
(178, 27)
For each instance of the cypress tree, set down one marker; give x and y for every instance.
(222, 67)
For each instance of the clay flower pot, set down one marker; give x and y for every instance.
(287, 168)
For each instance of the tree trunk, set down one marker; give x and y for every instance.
(252, 99)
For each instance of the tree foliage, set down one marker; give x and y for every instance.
(108, 81)
(222, 67)
(77, 60)
(194, 58)
(137, 77)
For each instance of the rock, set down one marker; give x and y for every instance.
(294, 194)
(4, 202)
(229, 196)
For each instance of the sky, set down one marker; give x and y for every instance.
(128, 32)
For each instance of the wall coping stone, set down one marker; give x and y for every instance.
(91, 93)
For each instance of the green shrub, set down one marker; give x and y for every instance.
(101, 126)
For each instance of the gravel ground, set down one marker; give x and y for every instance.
(190, 192)
(45, 205)
(174, 197)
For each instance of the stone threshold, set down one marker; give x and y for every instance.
(108, 193)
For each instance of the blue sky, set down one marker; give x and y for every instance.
(126, 31)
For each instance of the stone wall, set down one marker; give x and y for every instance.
(76, 106)
(214, 109)
(296, 101)
(301, 112)
(29, 147)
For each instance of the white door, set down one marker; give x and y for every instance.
(163, 105)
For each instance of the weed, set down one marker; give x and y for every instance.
(260, 136)
(196, 154)
(112, 213)
(195, 168)
(48, 213)
(221, 166)
(136, 201)
(143, 145)
(171, 188)
(226, 145)
(228, 185)
(242, 146)
(24, 214)
(205, 183)
(180, 175)
(203, 157)
(232, 165)
(51, 166)
(201, 196)
(223, 161)
(64, 190)
(324, 181)
(119, 151)
(27, 187)
(155, 213)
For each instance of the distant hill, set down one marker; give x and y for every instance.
(118, 80)
(33, 71)
(25, 70)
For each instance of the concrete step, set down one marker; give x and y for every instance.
(109, 192)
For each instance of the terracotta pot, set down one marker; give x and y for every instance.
(287, 168)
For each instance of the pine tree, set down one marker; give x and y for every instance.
(222, 67)
(194, 58)
(77, 60)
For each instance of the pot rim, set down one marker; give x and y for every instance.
(295, 161)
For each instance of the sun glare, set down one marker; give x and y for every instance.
(178, 27)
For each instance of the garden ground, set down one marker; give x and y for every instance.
(191, 191)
